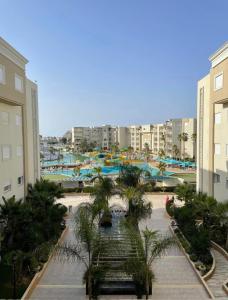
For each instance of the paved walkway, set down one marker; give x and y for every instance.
(175, 278)
(219, 276)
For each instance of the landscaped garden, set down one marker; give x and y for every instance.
(117, 257)
(29, 230)
(200, 220)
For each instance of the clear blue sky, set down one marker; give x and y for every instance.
(114, 61)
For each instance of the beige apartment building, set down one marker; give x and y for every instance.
(19, 130)
(103, 136)
(212, 130)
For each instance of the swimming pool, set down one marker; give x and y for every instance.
(110, 170)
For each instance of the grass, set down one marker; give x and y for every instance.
(188, 177)
(54, 177)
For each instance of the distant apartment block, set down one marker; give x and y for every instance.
(19, 130)
(155, 137)
(212, 130)
(102, 136)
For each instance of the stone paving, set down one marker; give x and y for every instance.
(175, 278)
(219, 276)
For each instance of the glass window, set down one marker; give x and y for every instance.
(18, 83)
(218, 118)
(218, 81)
(216, 178)
(4, 118)
(20, 180)
(217, 149)
(6, 152)
(2, 75)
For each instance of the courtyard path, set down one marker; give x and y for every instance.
(175, 278)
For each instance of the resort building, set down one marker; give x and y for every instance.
(212, 114)
(146, 136)
(180, 137)
(19, 130)
(135, 137)
(101, 136)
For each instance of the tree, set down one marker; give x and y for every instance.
(150, 245)
(176, 151)
(64, 140)
(51, 152)
(137, 208)
(76, 171)
(163, 138)
(98, 171)
(183, 137)
(130, 176)
(89, 245)
(185, 192)
(162, 167)
(161, 153)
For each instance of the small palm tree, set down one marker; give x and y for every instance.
(98, 171)
(176, 151)
(76, 171)
(161, 153)
(162, 167)
(150, 245)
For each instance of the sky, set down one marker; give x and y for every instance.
(117, 62)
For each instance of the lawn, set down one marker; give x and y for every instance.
(54, 177)
(188, 177)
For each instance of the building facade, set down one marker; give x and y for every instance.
(19, 130)
(212, 130)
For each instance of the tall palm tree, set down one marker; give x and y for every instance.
(175, 151)
(88, 246)
(163, 138)
(98, 171)
(183, 137)
(161, 153)
(150, 245)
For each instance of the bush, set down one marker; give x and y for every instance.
(106, 220)
(170, 208)
(193, 257)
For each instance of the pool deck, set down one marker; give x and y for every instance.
(175, 279)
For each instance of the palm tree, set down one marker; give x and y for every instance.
(98, 170)
(163, 138)
(51, 151)
(194, 139)
(89, 245)
(137, 208)
(76, 171)
(161, 153)
(150, 245)
(176, 151)
(183, 137)
(162, 167)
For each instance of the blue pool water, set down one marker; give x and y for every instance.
(112, 170)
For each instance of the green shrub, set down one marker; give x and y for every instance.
(193, 257)
(170, 208)
(88, 189)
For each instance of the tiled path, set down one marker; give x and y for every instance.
(219, 276)
(175, 278)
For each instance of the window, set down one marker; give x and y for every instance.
(7, 187)
(218, 83)
(18, 120)
(4, 118)
(20, 180)
(216, 178)
(19, 151)
(218, 118)
(2, 75)
(18, 83)
(217, 149)
(6, 152)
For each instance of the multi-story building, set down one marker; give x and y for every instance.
(135, 137)
(122, 137)
(212, 130)
(146, 136)
(19, 130)
(175, 128)
(102, 136)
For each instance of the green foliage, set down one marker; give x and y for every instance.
(170, 208)
(185, 192)
(130, 176)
